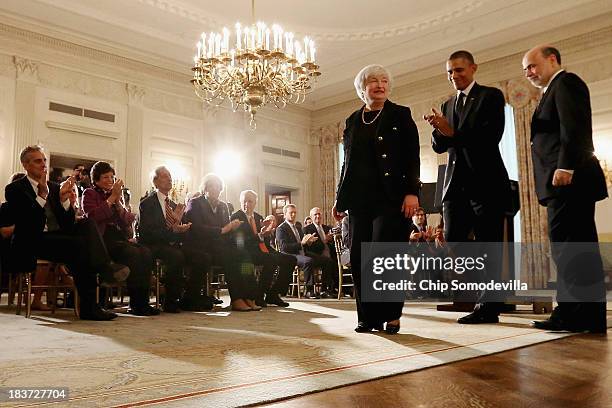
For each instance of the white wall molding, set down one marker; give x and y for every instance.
(82, 129)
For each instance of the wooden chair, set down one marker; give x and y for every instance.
(297, 283)
(215, 281)
(120, 286)
(344, 271)
(26, 285)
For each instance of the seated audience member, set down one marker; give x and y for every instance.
(291, 240)
(161, 229)
(270, 240)
(41, 277)
(345, 255)
(46, 228)
(104, 204)
(251, 235)
(322, 246)
(307, 221)
(430, 242)
(421, 232)
(211, 230)
(6, 231)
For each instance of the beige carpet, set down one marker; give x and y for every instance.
(228, 359)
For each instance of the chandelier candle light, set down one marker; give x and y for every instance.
(255, 66)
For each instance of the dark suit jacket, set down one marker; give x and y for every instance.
(206, 225)
(152, 227)
(244, 235)
(317, 247)
(397, 156)
(414, 228)
(474, 159)
(285, 238)
(562, 138)
(30, 219)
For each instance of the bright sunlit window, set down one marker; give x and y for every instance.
(228, 164)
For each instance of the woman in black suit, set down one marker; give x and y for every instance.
(379, 183)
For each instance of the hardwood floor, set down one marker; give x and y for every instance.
(571, 372)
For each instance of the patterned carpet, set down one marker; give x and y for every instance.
(227, 359)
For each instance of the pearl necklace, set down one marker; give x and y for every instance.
(373, 120)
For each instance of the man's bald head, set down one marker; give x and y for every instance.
(540, 64)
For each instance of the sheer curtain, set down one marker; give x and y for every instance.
(507, 147)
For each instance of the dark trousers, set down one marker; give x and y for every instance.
(311, 261)
(72, 251)
(99, 258)
(136, 257)
(464, 217)
(82, 249)
(175, 258)
(390, 226)
(238, 268)
(271, 262)
(581, 292)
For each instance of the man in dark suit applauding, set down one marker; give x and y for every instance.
(163, 232)
(323, 245)
(476, 185)
(251, 236)
(568, 181)
(291, 240)
(46, 228)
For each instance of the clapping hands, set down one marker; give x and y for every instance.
(308, 239)
(66, 190)
(230, 226)
(439, 122)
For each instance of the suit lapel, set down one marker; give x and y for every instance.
(546, 94)
(543, 100)
(386, 116)
(26, 186)
(471, 100)
(159, 211)
(450, 109)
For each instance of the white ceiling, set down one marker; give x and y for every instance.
(404, 35)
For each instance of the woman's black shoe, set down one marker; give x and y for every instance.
(364, 328)
(392, 328)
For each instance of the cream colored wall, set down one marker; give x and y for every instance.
(159, 120)
(587, 55)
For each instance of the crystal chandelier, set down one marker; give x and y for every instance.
(255, 66)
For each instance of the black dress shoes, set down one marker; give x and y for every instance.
(325, 295)
(392, 328)
(201, 304)
(363, 327)
(146, 310)
(261, 302)
(552, 324)
(171, 307)
(478, 317)
(311, 295)
(577, 318)
(276, 300)
(215, 301)
(557, 324)
(115, 273)
(97, 313)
